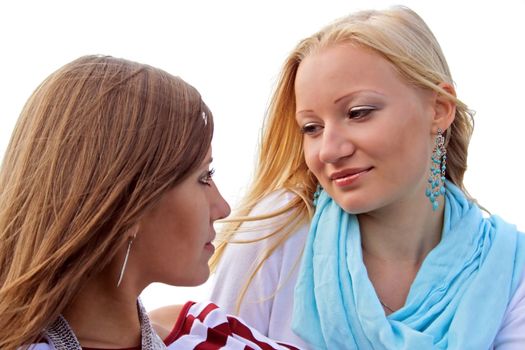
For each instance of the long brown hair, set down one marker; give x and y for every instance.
(399, 35)
(98, 142)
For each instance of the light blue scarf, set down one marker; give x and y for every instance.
(457, 300)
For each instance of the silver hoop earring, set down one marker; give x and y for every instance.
(123, 269)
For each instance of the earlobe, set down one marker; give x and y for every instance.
(444, 107)
(133, 230)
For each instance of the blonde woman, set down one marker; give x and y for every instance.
(106, 187)
(358, 231)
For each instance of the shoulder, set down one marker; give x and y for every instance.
(511, 335)
(165, 318)
(270, 219)
(270, 232)
(262, 256)
(274, 201)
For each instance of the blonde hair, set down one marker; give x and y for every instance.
(399, 35)
(98, 142)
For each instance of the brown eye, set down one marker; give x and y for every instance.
(310, 129)
(360, 112)
(207, 178)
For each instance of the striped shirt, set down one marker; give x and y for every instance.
(204, 326)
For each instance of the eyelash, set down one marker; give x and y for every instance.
(361, 111)
(356, 113)
(207, 178)
(309, 129)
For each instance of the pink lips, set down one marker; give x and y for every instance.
(209, 246)
(348, 176)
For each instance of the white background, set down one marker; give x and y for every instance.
(231, 51)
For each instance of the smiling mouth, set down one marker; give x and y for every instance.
(348, 176)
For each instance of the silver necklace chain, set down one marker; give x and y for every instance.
(61, 336)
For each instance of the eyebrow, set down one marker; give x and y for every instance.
(356, 92)
(206, 163)
(343, 97)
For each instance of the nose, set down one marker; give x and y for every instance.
(335, 144)
(220, 208)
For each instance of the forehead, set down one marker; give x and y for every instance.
(207, 159)
(344, 66)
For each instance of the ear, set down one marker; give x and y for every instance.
(444, 109)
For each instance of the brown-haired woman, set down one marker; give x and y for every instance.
(105, 188)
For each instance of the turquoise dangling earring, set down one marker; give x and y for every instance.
(317, 193)
(436, 181)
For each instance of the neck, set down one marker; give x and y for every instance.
(102, 315)
(405, 232)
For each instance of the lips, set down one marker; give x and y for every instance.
(209, 245)
(210, 241)
(348, 172)
(348, 176)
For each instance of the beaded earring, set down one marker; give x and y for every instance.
(436, 181)
(317, 193)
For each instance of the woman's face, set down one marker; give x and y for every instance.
(174, 237)
(367, 133)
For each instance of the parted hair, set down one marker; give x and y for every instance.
(397, 34)
(95, 146)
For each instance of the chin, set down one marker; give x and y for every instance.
(353, 204)
(197, 280)
(202, 279)
(354, 210)
(363, 207)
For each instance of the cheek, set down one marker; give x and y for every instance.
(311, 156)
(398, 135)
(194, 218)
(405, 152)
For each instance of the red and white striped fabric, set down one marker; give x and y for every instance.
(204, 326)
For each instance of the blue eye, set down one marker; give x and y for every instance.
(360, 112)
(207, 178)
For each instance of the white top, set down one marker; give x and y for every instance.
(268, 304)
